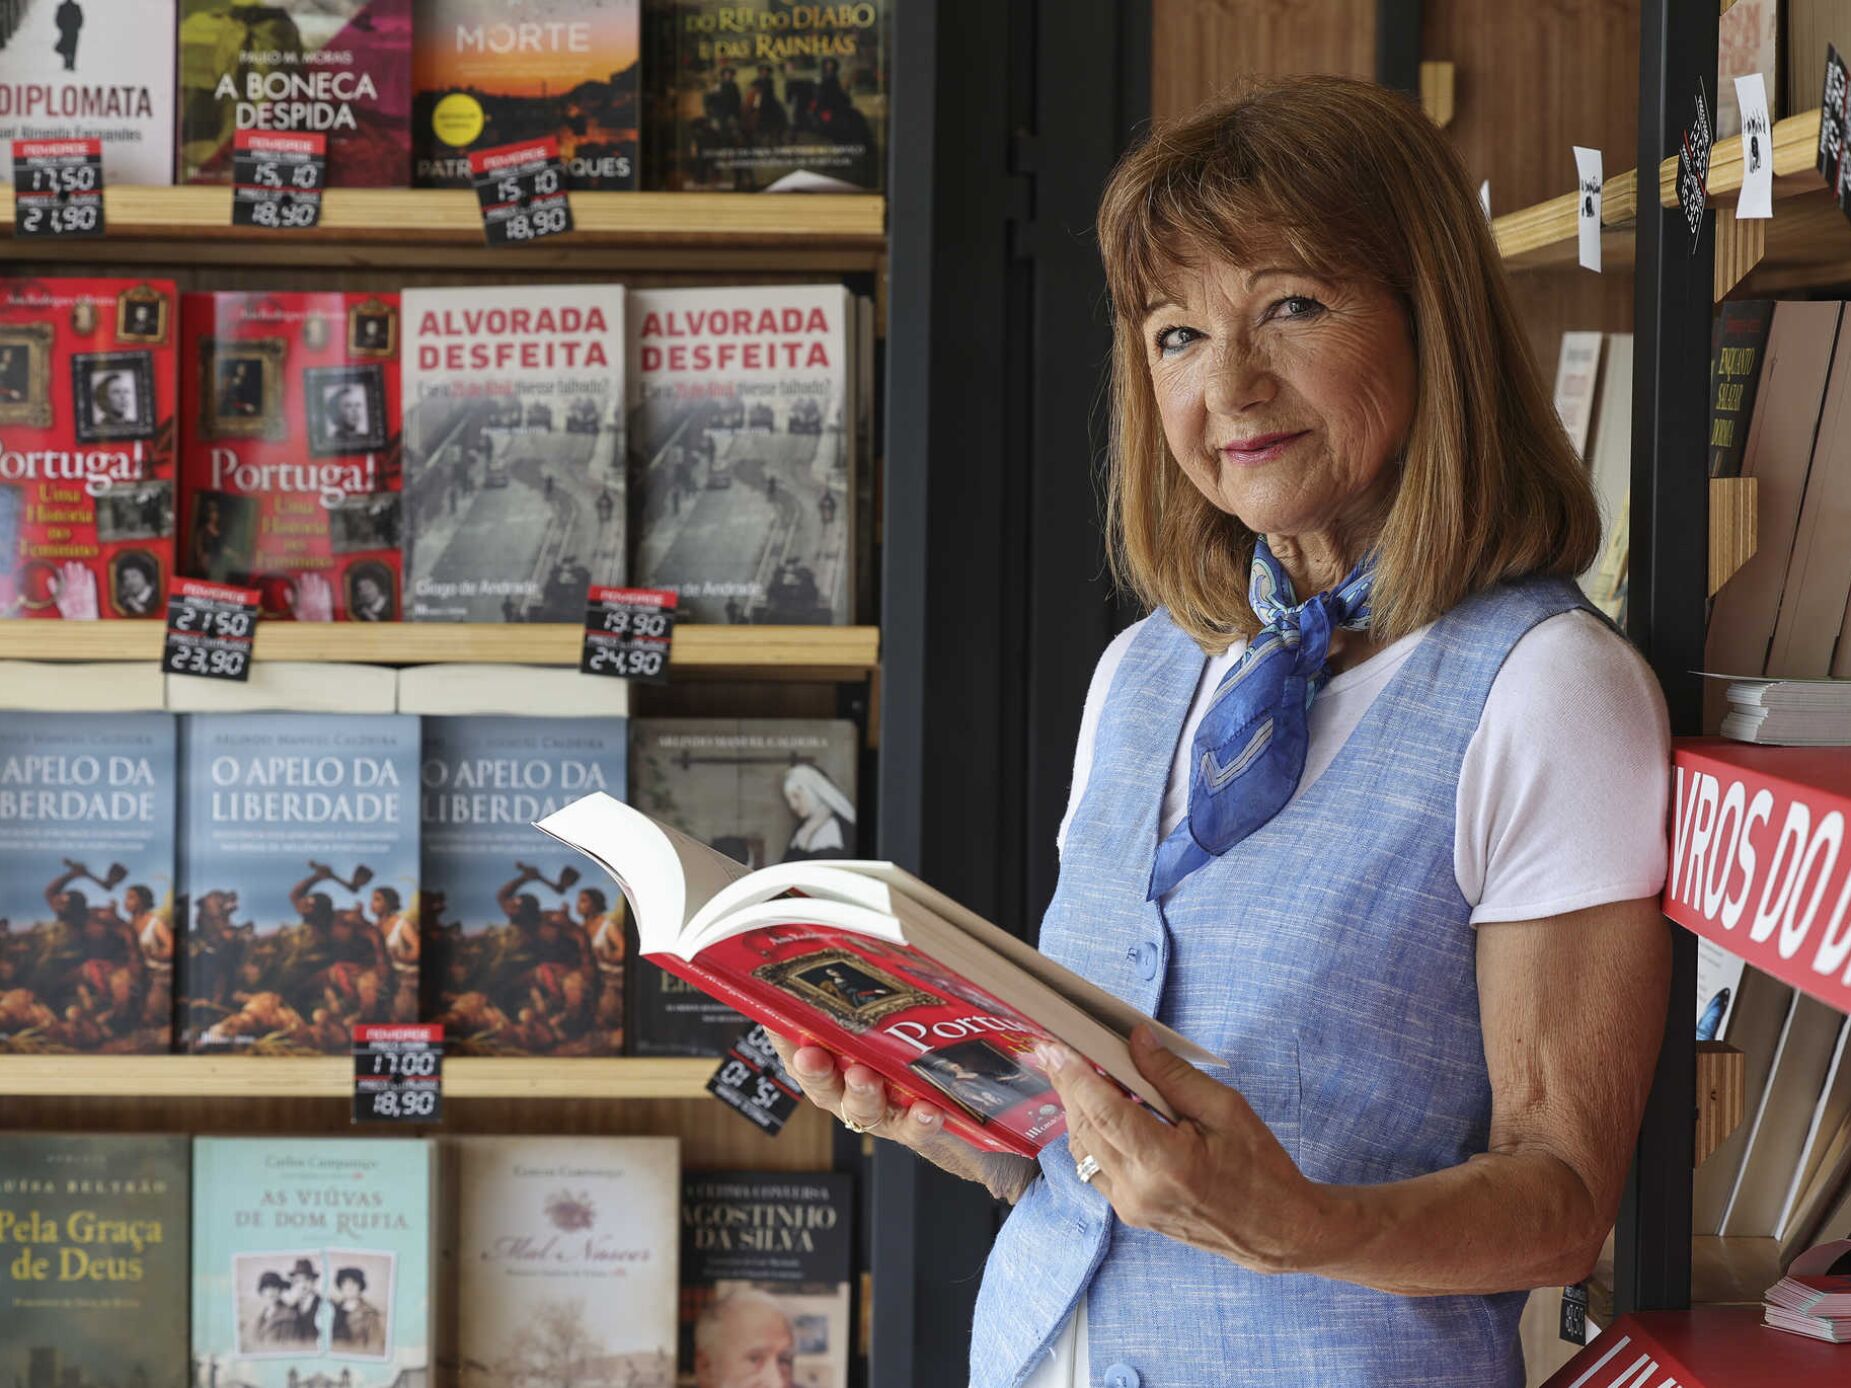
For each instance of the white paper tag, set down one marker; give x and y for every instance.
(1484, 197)
(1587, 208)
(1757, 199)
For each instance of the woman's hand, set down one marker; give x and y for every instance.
(859, 1094)
(1217, 1178)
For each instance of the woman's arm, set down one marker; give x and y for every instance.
(1573, 1011)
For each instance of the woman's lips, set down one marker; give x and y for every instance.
(1261, 448)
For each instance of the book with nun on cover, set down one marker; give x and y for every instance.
(873, 965)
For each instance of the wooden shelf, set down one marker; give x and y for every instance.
(318, 1077)
(1718, 818)
(1544, 234)
(382, 227)
(776, 652)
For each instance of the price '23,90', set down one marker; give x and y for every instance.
(201, 660)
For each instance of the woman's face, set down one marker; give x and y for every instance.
(1284, 396)
(802, 803)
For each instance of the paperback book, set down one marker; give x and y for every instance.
(529, 959)
(290, 451)
(771, 95)
(490, 73)
(566, 1254)
(874, 966)
(312, 1261)
(87, 447)
(766, 1269)
(93, 1260)
(299, 866)
(98, 70)
(338, 67)
(514, 450)
(742, 425)
(86, 882)
(759, 790)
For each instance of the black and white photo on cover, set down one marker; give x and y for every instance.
(113, 395)
(982, 1077)
(346, 408)
(135, 510)
(135, 583)
(360, 1290)
(280, 1303)
(371, 594)
(25, 374)
(365, 522)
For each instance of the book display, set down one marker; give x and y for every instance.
(416, 448)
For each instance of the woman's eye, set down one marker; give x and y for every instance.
(1172, 340)
(1296, 306)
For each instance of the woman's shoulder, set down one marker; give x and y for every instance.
(1576, 656)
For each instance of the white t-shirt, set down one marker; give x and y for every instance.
(1561, 799)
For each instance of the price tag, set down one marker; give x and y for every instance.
(57, 188)
(1573, 1327)
(1834, 128)
(1693, 169)
(522, 191)
(277, 179)
(210, 627)
(397, 1073)
(628, 632)
(1589, 185)
(751, 1080)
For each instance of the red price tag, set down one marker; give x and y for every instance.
(58, 188)
(521, 189)
(628, 632)
(210, 629)
(397, 1073)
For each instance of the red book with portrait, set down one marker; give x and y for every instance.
(86, 447)
(873, 965)
(290, 459)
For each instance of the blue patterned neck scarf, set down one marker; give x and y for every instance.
(1249, 751)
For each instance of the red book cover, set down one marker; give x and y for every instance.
(290, 460)
(87, 445)
(1758, 858)
(931, 1032)
(1715, 1347)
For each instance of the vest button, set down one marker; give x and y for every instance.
(1147, 956)
(1121, 1376)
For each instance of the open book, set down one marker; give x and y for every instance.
(869, 963)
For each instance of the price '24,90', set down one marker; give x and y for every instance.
(627, 664)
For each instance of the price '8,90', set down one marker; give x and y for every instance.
(405, 1103)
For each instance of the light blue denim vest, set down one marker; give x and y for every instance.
(1330, 958)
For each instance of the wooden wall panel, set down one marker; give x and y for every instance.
(1199, 47)
(1532, 82)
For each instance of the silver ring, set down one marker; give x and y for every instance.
(1086, 1168)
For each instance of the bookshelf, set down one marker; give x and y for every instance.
(826, 654)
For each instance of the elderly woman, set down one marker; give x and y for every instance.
(1371, 804)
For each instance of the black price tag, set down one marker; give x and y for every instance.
(210, 628)
(1693, 169)
(751, 1080)
(277, 179)
(397, 1073)
(1574, 1314)
(1834, 129)
(628, 632)
(522, 191)
(58, 188)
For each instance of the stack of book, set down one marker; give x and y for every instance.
(1790, 713)
(1814, 1298)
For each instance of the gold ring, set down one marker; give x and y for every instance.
(858, 1128)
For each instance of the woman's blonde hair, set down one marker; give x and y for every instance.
(1350, 180)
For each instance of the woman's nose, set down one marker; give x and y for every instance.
(1239, 378)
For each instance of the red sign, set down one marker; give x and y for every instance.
(1716, 1347)
(1759, 862)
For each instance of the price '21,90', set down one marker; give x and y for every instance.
(58, 219)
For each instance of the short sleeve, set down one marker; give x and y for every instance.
(1103, 674)
(1562, 791)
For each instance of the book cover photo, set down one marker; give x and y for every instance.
(91, 69)
(529, 956)
(290, 451)
(766, 1271)
(761, 791)
(566, 1252)
(490, 73)
(94, 1268)
(514, 450)
(743, 438)
(86, 882)
(312, 1262)
(338, 67)
(87, 447)
(773, 95)
(299, 871)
